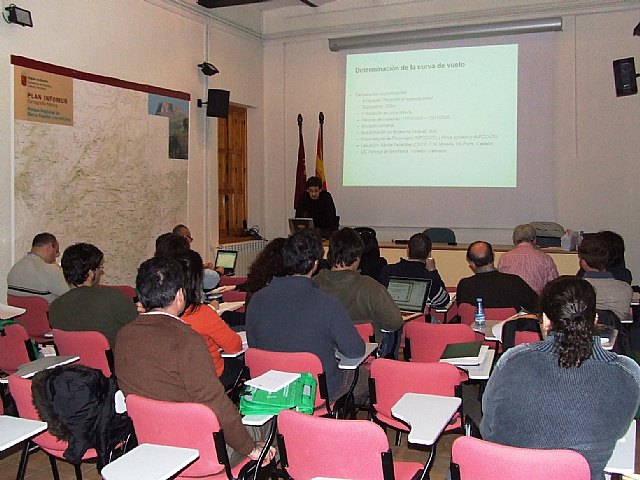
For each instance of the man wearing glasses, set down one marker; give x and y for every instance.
(86, 306)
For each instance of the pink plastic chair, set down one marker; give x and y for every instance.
(188, 425)
(480, 460)
(35, 319)
(20, 389)
(13, 349)
(326, 447)
(425, 342)
(365, 330)
(451, 312)
(226, 280)
(391, 379)
(92, 347)
(466, 311)
(261, 361)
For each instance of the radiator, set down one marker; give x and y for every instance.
(247, 253)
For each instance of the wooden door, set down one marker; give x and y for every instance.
(232, 172)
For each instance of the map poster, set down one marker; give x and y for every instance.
(43, 97)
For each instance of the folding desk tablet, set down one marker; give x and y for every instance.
(150, 462)
(14, 430)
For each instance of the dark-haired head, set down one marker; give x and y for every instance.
(615, 246)
(314, 182)
(193, 270)
(158, 281)
(42, 239)
(171, 245)
(568, 305)
(419, 246)
(268, 264)
(345, 247)
(371, 249)
(593, 251)
(301, 251)
(79, 260)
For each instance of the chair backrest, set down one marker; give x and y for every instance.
(365, 330)
(523, 329)
(233, 296)
(467, 312)
(226, 280)
(425, 342)
(261, 361)
(126, 290)
(92, 347)
(326, 447)
(20, 389)
(36, 317)
(393, 378)
(479, 460)
(440, 235)
(188, 425)
(13, 349)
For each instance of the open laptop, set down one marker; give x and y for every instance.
(410, 294)
(227, 259)
(297, 224)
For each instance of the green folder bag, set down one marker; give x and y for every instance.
(299, 395)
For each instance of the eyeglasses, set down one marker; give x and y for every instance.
(100, 269)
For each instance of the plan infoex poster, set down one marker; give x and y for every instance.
(43, 97)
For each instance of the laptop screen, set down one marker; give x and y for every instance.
(226, 259)
(296, 224)
(410, 294)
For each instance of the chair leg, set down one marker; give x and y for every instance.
(398, 438)
(24, 458)
(78, 470)
(54, 467)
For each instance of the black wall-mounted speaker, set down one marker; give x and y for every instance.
(624, 73)
(217, 103)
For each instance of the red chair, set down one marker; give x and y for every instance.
(14, 349)
(261, 361)
(20, 389)
(365, 330)
(451, 313)
(226, 280)
(92, 347)
(475, 459)
(466, 311)
(234, 296)
(326, 447)
(425, 342)
(188, 425)
(391, 379)
(36, 317)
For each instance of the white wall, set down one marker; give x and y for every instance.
(139, 42)
(595, 136)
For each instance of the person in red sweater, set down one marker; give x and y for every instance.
(204, 320)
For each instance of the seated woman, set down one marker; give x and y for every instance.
(371, 263)
(204, 320)
(565, 392)
(268, 264)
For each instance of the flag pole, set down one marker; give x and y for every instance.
(320, 152)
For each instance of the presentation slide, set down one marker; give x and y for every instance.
(443, 117)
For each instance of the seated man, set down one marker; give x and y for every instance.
(611, 294)
(159, 356)
(292, 314)
(318, 204)
(557, 394)
(419, 265)
(211, 275)
(365, 299)
(527, 261)
(37, 274)
(497, 290)
(87, 306)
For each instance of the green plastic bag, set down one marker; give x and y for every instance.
(299, 395)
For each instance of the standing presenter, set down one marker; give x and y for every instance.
(318, 204)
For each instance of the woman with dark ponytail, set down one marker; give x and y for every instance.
(566, 391)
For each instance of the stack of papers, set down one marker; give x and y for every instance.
(273, 380)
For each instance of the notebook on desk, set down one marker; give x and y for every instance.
(227, 259)
(410, 295)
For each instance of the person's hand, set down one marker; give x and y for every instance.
(140, 308)
(220, 270)
(215, 305)
(208, 265)
(255, 453)
(431, 264)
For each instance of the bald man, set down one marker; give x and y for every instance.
(497, 290)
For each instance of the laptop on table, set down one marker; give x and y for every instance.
(410, 294)
(297, 224)
(227, 260)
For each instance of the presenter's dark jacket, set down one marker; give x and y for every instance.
(322, 210)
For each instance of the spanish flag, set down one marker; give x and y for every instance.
(319, 154)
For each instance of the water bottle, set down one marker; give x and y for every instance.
(479, 315)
